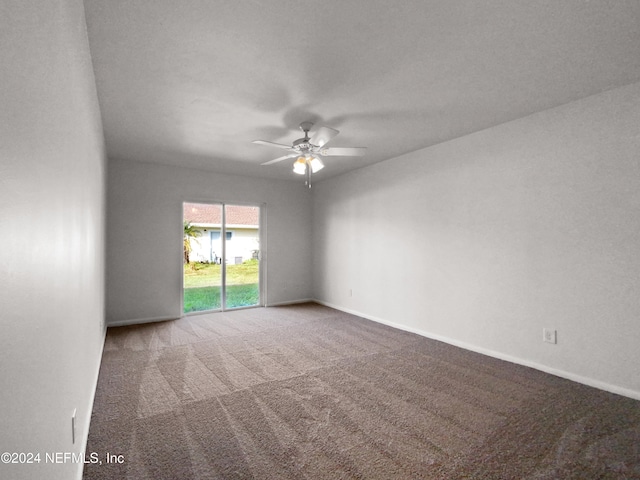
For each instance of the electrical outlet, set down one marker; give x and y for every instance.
(549, 336)
(350, 292)
(73, 426)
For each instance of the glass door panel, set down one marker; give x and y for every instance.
(242, 266)
(202, 283)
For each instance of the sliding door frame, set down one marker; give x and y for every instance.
(262, 257)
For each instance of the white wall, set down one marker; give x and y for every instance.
(51, 284)
(531, 224)
(144, 235)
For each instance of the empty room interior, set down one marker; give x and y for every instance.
(412, 249)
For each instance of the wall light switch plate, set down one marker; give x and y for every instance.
(549, 336)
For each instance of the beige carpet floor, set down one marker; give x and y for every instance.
(308, 392)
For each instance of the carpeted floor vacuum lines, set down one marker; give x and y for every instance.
(308, 392)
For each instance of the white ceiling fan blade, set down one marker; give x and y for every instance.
(323, 135)
(272, 144)
(279, 159)
(343, 151)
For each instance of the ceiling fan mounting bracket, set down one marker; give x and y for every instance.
(305, 127)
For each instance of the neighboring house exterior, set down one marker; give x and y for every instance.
(242, 232)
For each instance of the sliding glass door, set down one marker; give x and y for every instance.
(221, 256)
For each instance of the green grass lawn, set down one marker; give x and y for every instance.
(198, 299)
(202, 286)
(209, 274)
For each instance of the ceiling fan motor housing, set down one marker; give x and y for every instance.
(302, 144)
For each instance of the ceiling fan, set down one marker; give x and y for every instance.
(309, 150)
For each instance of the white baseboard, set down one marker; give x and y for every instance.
(87, 418)
(136, 321)
(491, 353)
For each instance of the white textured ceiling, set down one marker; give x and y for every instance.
(193, 82)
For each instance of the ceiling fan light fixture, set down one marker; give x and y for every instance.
(316, 164)
(300, 166)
